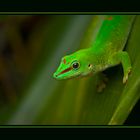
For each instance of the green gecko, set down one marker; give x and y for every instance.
(105, 51)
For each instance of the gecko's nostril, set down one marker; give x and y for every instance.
(55, 75)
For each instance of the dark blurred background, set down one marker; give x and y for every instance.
(134, 117)
(20, 45)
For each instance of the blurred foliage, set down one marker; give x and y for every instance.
(31, 47)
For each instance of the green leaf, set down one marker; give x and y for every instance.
(130, 94)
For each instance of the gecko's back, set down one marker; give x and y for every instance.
(113, 33)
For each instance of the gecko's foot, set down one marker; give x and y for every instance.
(100, 87)
(125, 78)
(102, 84)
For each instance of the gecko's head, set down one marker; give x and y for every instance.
(74, 65)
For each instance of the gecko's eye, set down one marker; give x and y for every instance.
(75, 65)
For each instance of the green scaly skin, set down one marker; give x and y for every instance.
(106, 51)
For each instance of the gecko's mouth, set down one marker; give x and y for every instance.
(66, 70)
(62, 72)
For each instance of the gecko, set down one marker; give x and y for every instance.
(107, 50)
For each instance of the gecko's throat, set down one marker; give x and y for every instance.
(62, 72)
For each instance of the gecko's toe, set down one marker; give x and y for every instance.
(125, 78)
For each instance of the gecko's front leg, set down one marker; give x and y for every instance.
(123, 58)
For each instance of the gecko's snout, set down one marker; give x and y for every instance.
(55, 75)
